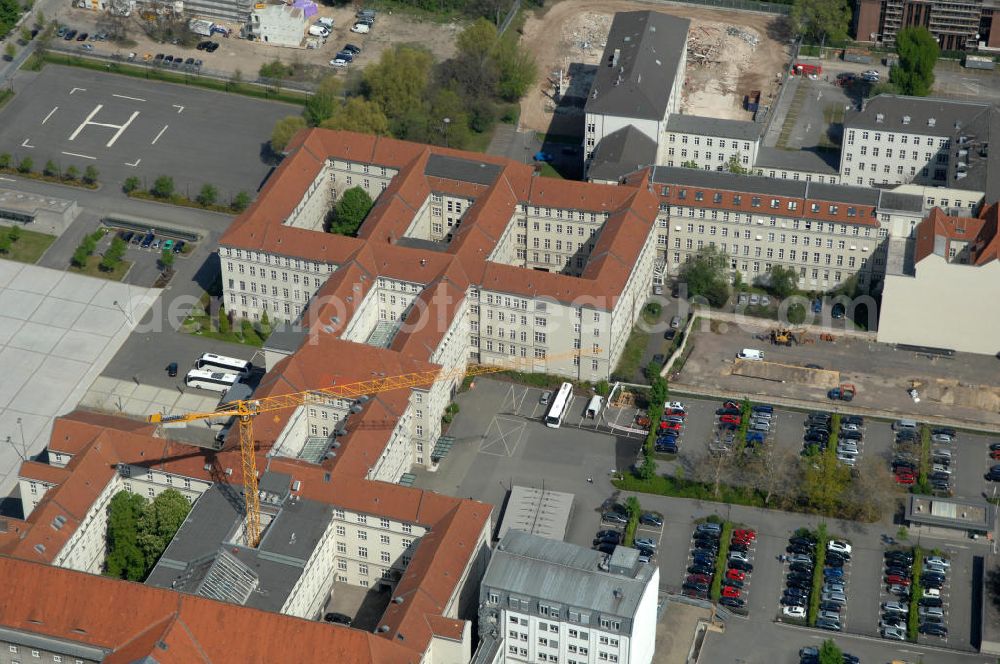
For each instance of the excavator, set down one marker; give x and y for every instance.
(845, 392)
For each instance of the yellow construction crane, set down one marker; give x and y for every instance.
(246, 410)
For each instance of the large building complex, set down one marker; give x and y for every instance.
(956, 24)
(548, 601)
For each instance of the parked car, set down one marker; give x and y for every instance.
(797, 612)
(894, 633)
(651, 519)
(614, 517)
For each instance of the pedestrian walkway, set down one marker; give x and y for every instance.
(126, 397)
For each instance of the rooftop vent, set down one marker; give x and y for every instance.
(906, 119)
(615, 57)
(879, 117)
(296, 485)
(931, 122)
(618, 593)
(383, 629)
(398, 599)
(958, 124)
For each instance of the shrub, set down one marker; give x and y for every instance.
(50, 169)
(241, 201)
(5, 160)
(26, 165)
(208, 195)
(14, 233)
(90, 175)
(131, 184)
(72, 173)
(163, 187)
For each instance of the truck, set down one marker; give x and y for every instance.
(753, 101)
(201, 27)
(805, 69)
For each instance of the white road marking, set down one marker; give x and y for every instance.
(131, 98)
(97, 109)
(135, 164)
(121, 128)
(75, 89)
(180, 109)
(82, 156)
(8, 179)
(160, 134)
(25, 144)
(51, 113)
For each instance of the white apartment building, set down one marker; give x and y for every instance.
(543, 600)
(896, 140)
(711, 143)
(827, 233)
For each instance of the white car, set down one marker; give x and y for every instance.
(840, 546)
(941, 452)
(850, 427)
(794, 612)
(940, 468)
(318, 31)
(941, 438)
(800, 558)
(338, 62)
(894, 633)
(675, 405)
(937, 560)
(361, 28)
(899, 607)
(932, 592)
(739, 555)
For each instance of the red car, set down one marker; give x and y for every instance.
(745, 534)
(906, 479)
(898, 580)
(674, 412)
(699, 578)
(669, 426)
(736, 575)
(729, 591)
(995, 454)
(743, 541)
(730, 419)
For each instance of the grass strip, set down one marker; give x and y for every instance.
(817, 585)
(922, 485)
(720, 561)
(916, 592)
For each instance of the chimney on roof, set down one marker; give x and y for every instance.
(615, 57)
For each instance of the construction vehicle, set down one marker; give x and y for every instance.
(845, 392)
(247, 409)
(783, 337)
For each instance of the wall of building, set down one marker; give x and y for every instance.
(257, 281)
(598, 126)
(869, 157)
(781, 173)
(31, 491)
(451, 651)
(946, 305)
(642, 641)
(278, 26)
(371, 548)
(708, 152)
(311, 591)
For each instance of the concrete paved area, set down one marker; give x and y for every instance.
(57, 333)
(675, 632)
(126, 397)
(130, 127)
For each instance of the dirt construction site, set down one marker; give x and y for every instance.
(730, 54)
(810, 367)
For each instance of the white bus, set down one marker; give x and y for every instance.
(216, 381)
(213, 362)
(560, 403)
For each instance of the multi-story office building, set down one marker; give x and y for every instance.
(711, 143)
(827, 233)
(938, 142)
(956, 24)
(547, 601)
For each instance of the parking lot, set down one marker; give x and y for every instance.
(130, 127)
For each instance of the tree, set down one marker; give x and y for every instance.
(5, 244)
(167, 259)
(825, 480)
(90, 174)
(690, 163)
(517, 68)
(208, 195)
(350, 211)
(10, 12)
(50, 168)
(918, 52)
(782, 281)
(399, 81)
(241, 201)
(829, 653)
(360, 115)
(26, 165)
(821, 20)
(125, 559)
(324, 102)
(5, 160)
(284, 130)
(275, 69)
(705, 275)
(223, 320)
(159, 523)
(264, 326)
(734, 166)
(14, 233)
(131, 184)
(25, 34)
(72, 172)
(163, 187)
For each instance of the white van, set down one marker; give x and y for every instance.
(361, 28)
(325, 21)
(594, 407)
(750, 354)
(318, 31)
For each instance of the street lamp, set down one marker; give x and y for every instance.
(444, 129)
(128, 316)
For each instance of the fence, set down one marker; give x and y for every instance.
(510, 17)
(771, 111)
(743, 5)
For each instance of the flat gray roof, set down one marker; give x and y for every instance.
(977, 515)
(807, 161)
(464, 170)
(564, 574)
(620, 153)
(537, 511)
(272, 569)
(285, 338)
(743, 130)
(915, 115)
(637, 82)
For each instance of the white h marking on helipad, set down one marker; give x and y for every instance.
(89, 121)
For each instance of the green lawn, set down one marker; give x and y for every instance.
(204, 326)
(547, 170)
(29, 247)
(93, 269)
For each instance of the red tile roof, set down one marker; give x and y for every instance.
(940, 225)
(134, 621)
